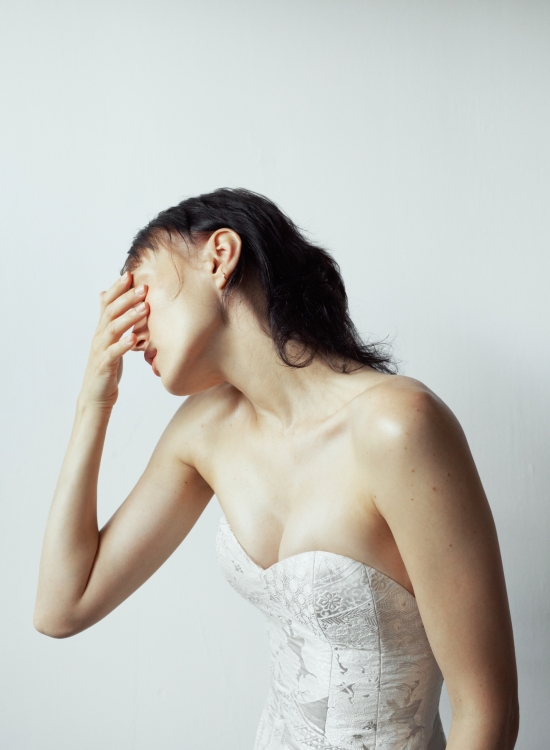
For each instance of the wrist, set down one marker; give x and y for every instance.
(88, 407)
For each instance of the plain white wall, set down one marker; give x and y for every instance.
(411, 139)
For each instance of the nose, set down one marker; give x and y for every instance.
(142, 334)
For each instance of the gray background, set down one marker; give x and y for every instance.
(410, 139)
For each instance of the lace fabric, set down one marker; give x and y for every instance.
(351, 666)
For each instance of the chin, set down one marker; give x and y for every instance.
(173, 388)
(186, 375)
(190, 385)
(177, 386)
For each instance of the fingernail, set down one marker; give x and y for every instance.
(124, 277)
(140, 308)
(140, 290)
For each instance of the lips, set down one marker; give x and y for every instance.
(150, 355)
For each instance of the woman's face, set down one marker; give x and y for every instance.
(181, 336)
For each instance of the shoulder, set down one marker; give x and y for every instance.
(401, 414)
(414, 460)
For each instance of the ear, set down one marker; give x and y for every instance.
(224, 250)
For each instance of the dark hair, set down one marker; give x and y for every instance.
(304, 295)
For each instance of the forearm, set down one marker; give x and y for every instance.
(71, 535)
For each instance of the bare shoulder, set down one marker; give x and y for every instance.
(400, 410)
(406, 438)
(199, 418)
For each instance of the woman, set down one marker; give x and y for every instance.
(353, 514)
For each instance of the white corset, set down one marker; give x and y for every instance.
(351, 666)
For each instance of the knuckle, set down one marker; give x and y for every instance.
(110, 355)
(105, 339)
(97, 340)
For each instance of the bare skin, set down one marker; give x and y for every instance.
(371, 466)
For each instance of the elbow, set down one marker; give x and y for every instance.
(508, 728)
(496, 721)
(508, 718)
(54, 626)
(513, 722)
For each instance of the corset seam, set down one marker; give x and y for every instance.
(379, 660)
(320, 629)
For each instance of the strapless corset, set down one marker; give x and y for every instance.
(351, 666)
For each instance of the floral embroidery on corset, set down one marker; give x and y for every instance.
(351, 666)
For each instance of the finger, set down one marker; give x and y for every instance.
(116, 350)
(116, 289)
(122, 303)
(115, 328)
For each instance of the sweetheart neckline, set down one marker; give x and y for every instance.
(309, 552)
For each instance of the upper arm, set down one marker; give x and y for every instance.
(427, 488)
(149, 525)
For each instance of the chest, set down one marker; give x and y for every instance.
(287, 494)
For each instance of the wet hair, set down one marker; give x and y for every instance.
(304, 298)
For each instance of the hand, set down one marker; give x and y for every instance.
(120, 310)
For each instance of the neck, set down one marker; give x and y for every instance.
(284, 398)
